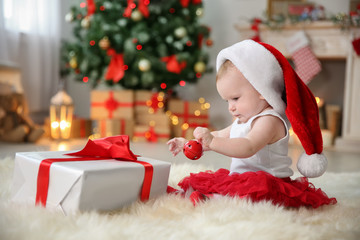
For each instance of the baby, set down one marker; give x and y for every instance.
(263, 93)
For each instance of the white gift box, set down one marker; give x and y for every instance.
(101, 185)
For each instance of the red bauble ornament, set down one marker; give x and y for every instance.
(193, 150)
(209, 42)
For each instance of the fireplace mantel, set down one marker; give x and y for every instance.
(327, 42)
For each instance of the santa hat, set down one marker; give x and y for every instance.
(270, 74)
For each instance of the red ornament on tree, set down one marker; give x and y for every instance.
(193, 150)
(172, 64)
(209, 42)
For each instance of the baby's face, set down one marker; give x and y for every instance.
(243, 100)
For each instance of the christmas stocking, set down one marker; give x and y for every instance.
(356, 45)
(307, 66)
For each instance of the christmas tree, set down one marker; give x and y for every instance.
(137, 44)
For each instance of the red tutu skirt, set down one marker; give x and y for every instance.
(258, 186)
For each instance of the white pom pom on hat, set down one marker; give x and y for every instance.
(270, 74)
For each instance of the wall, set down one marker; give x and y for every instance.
(221, 17)
(78, 91)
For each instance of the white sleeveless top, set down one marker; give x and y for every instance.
(273, 158)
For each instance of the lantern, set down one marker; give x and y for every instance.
(61, 113)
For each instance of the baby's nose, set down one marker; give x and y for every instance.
(231, 107)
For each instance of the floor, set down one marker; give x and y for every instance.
(339, 161)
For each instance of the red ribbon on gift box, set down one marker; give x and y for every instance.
(111, 104)
(186, 115)
(103, 127)
(151, 135)
(152, 103)
(116, 147)
(83, 128)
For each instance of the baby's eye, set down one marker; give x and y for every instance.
(235, 99)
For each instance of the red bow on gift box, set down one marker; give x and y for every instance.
(154, 102)
(187, 115)
(111, 104)
(116, 147)
(151, 135)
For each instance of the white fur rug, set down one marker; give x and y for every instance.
(172, 217)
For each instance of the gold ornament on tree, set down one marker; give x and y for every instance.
(104, 43)
(199, 67)
(180, 32)
(136, 15)
(144, 65)
(199, 12)
(73, 62)
(69, 17)
(85, 23)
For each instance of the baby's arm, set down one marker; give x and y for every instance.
(265, 130)
(204, 136)
(225, 133)
(176, 145)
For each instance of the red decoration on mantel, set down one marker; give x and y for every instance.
(255, 27)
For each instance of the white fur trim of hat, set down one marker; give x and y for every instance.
(259, 67)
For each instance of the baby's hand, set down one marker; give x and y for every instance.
(176, 145)
(204, 136)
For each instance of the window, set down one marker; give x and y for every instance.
(21, 15)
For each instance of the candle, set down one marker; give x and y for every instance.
(61, 112)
